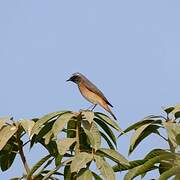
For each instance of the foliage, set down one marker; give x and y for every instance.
(78, 141)
(167, 161)
(73, 141)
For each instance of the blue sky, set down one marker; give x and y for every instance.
(129, 49)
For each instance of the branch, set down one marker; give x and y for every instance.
(21, 153)
(78, 127)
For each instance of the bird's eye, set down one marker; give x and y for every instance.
(76, 78)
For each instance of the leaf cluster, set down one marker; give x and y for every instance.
(78, 141)
(73, 141)
(165, 161)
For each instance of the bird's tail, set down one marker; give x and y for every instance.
(109, 110)
(106, 107)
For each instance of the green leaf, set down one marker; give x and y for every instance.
(8, 153)
(45, 132)
(51, 172)
(40, 123)
(147, 120)
(138, 125)
(89, 115)
(114, 155)
(51, 147)
(71, 129)
(177, 177)
(109, 121)
(86, 124)
(134, 172)
(137, 135)
(80, 161)
(169, 173)
(96, 177)
(64, 144)
(176, 108)
(6, 133)
(58, 160)
(3, 121)
(173, 130)
(90, 137)
(169, 109)
(84, 140)
(6, 160)
(107, 130)
(105, 169)
(141, 133)
(164, 166)
(107, 140)
(84, 174)
(47, 137)
(177, 114)
(61, 122)
(178, 139)
(133, 164)
(96, 136)
(43, 169)
(67, 173)
(37, 166)
(27, 125)
(147, 166)
(156, 152)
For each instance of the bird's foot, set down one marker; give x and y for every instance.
(81, 110)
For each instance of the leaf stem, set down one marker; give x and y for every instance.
(78, 127)
(163, 137)
(21, 153)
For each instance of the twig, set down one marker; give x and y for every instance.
(26, 143)
(163, 137)
(77, 149)
(21, 153)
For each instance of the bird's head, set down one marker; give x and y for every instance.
(76, 78)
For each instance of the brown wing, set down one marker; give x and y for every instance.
(89, 85)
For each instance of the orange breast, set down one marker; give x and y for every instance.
(92, 97)
(89, 95)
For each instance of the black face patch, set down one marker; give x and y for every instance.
(75, 79)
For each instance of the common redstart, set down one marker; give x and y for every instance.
(90, 92)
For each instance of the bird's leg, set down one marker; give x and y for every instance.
(90, 107)
(93, 107)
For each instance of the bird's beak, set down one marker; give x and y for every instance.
(68, 80)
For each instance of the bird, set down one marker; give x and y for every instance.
(91, 93)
